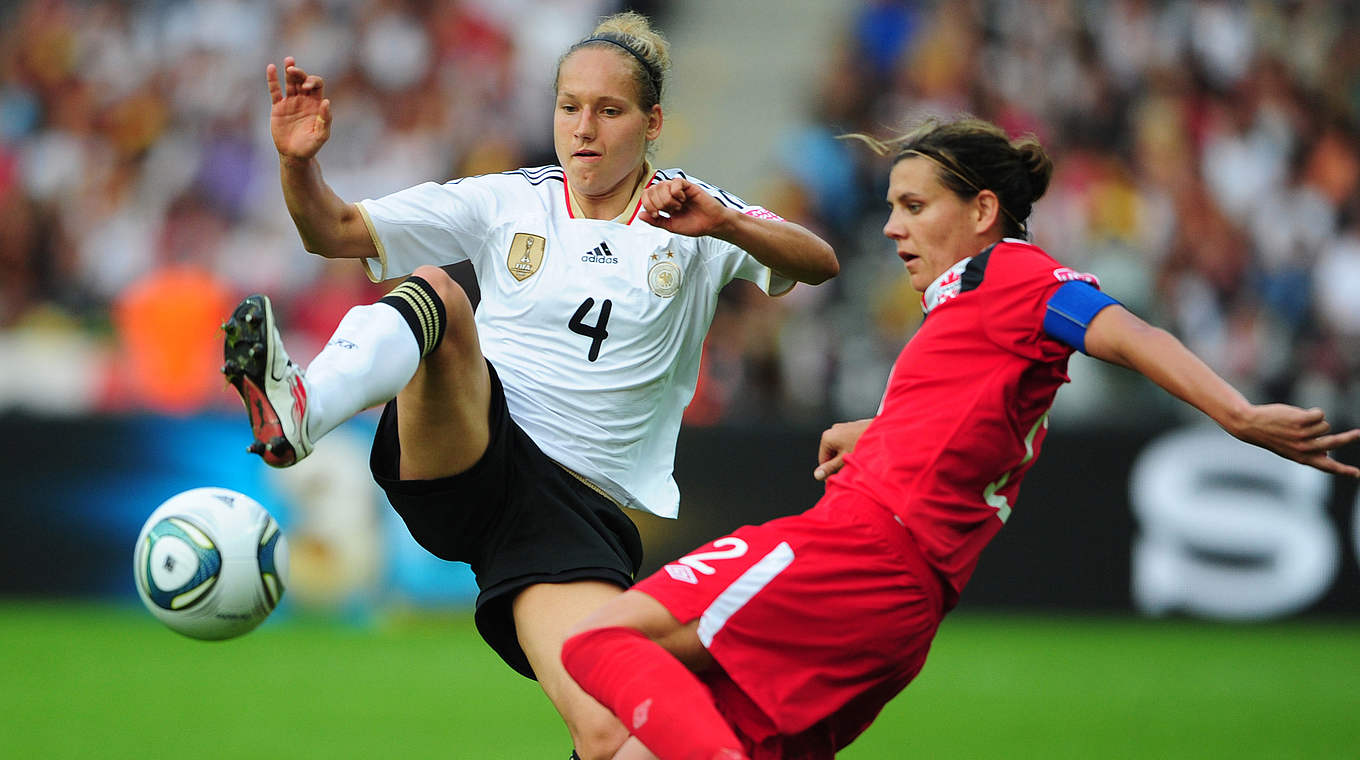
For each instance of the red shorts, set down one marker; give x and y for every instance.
(816, 620)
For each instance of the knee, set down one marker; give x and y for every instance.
(599, 741)
(595, 733)
(459, 343)
(457, 305)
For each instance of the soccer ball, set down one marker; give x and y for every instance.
(210, 563)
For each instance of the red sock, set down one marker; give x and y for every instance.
(659, 700)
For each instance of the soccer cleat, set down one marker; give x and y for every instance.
(271, 386)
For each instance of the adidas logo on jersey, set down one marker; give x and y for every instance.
(600, 254)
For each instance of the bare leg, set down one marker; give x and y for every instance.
(544, 615)
(443, 430)
(442, 412)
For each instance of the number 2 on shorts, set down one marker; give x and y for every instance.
(735, 547)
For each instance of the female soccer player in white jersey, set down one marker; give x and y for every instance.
(512, 436)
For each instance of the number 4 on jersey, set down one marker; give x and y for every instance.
(596, 332)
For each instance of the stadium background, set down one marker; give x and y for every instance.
(1208, 162)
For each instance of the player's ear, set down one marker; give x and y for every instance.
(654, 122)
(987, 208)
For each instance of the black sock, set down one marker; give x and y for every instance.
(423, 310)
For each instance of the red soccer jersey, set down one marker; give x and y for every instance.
(966, 407)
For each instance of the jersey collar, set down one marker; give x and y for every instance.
(630, 210)
(945, 287)
(950, 283)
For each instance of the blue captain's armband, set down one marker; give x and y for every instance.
(1071, 309)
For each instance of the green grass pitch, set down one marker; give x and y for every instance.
(92, 681)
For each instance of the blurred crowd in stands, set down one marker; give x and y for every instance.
(1207, 168)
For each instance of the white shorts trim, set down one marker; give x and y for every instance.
(735, 596)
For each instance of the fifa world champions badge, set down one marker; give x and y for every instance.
(526, 255)
(664, 276)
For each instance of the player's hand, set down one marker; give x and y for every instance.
(1303, 435)
(837, 441)
(301, 122)
(682, 207)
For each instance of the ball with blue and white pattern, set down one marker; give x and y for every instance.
(211, 563)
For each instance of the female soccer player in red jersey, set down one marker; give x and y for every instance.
(801, 629)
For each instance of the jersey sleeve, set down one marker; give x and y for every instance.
(428, 223)
(727, 262)
(1021, 282)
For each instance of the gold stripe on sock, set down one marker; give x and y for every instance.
(417, 306)
(431, 312)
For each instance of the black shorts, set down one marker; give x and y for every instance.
(516, 516)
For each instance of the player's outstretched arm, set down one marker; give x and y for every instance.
(837, 441)
(682, 207)
(300, 123)
(1303, 435)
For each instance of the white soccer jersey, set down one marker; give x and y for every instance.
(595, 326)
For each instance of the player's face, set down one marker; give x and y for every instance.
(599, 130)
(933, 227)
